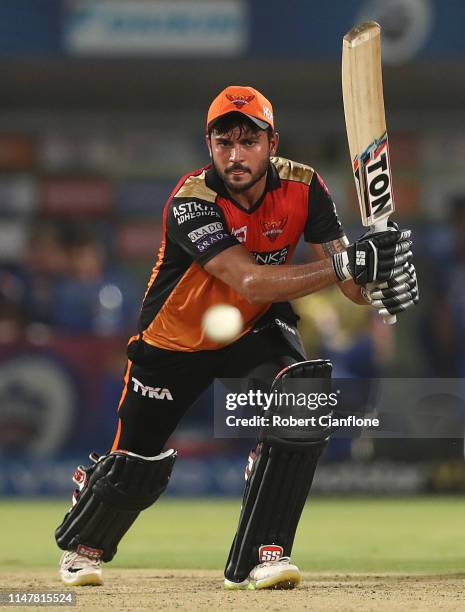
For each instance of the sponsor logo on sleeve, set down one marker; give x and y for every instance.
(273, 229)
(271, 258)
(205, 230)
(210, 240)
(186, 211)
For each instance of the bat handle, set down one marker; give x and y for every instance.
(389, 319)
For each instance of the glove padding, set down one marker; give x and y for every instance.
(396, 295)
(375, 257)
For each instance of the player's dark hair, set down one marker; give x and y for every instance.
(231, 121)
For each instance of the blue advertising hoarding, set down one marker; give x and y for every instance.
(30, 28)
(412, 29)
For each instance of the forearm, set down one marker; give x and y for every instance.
(353, 292)
(287, 282)
(265, 283)
(348, 288)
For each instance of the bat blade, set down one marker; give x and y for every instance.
(362, 89)
(362, 92)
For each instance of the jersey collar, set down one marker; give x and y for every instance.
(214, 182)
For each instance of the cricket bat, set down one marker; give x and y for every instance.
(362, 91)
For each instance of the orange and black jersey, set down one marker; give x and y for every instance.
(200, 220)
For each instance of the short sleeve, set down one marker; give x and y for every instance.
(323, 224)
(199, 228)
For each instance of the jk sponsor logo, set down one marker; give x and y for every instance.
(205, 230)
(158, 393)
(271, 258)
(186, 211)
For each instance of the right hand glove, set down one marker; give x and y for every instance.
(374, 257)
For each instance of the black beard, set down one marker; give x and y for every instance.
(241, 188)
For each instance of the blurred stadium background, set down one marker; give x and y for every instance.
(102, 109)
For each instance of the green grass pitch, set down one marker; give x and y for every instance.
(335, 534)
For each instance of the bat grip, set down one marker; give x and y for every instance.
(389, 319)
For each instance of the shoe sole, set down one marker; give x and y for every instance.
(236, 586)
(284, 581)
(84, 580)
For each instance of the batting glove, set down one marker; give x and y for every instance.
(395, 295)
(374, 257)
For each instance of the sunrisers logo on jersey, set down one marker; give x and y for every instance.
(271, 258)
(273, 229)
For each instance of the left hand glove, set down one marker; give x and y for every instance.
(395, 295)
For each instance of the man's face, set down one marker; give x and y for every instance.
(241, 157)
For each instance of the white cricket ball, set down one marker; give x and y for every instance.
(222, 322)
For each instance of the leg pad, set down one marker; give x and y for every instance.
(277, 487)
(112, 493)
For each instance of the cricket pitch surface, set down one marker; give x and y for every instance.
(143, 589)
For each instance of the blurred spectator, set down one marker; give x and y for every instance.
(445, 324)
(46, 265)
(354, 338)
(66, 284)
(28, 288)
(11, 322)
(94, 298)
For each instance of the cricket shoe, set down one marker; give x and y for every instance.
(277, 575)
(78, 570)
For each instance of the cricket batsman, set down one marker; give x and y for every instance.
(230, 231)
